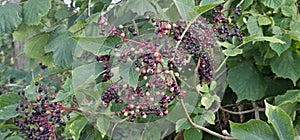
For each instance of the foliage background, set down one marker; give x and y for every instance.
(262, 93)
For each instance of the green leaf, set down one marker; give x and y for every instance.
(192, 134)
(287, 66)
(34, 47)
(232, 52)
(9, 99)
(34, 10)
(4, 134)
(289, 96)
(24, 31)
(275, 4)
(289, 10)
(253, 27)
(14, 138)
(280, 48)
(9, 17)
(246, 82)
(254, 129)
(98, 45)
(62, 46)
(206, 2)
(208, 99)
(204, 8)
(264, 20)
(262, 38)
(141, 6)
(129, 74)
(61, 12)
(182, 124)
(76, 127)
(210, 117)
(8, 112)
(280, 121)
(103, 125)
(184, 7)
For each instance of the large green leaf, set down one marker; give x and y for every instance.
(253, 129)
(280, 121)
(129, 74)
(9, 99)
(141, 6)
(246, 82)
(252, 26)
(8, 112)
(184, 7)
(77, 126)
(182, 124)
(62, 45)
(9, 17)
(35, 46)
(98, 45)
(287, 66)
(275, 4)
(34, 10)
(289, 96)
(103, 125)
(280, 48)
(192, 134)
(24, 31)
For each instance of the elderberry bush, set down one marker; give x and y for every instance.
(38, 118)
(155, 59)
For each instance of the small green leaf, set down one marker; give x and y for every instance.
(280, 48)
(254, 129)
(289, 10)
(232, 52)
(263, 38)
(209, 116)
(9, 17)
(207, 100)
(253, 27)
(184, 7)
(14, 138)
(192, 134)
(4, 134)
(182, 124)
(103, 124)
(289, 96)
(34, 47)
(9, 99)
(129, 74)
(24, 31)
(62, 46)
(280, 121)
(61, 12)
(34, 10)
(141, 6)
(287, 66)
(77, 126)
(264, 20)
(246, 82)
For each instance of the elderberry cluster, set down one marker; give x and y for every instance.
(39, 118)
(223, 26)
(106, 67)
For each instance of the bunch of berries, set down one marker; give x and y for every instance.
(105, 59)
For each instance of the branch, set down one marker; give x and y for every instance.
(256, 110)
(201, 127)
(241, 112)
(118, 122)
(89, 8)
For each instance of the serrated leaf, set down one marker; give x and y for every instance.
(62, 45)
(280, 121)
(208, 99)
(34, 10)
(77, 126)
(287, 66)
(8, 112)
(232, 52)
(61, 12)
(141, 7)
(246, 82)
(280, 48)
(264, 20)
(192, 134)
(184, 7)
(254, 129)
(129, 74)
(289, 10)
(182, 124)
(9, 17)
(253, 27)
(24, 31)
(289, 96)
(209, 116)
(103, 125)
(275, 4)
